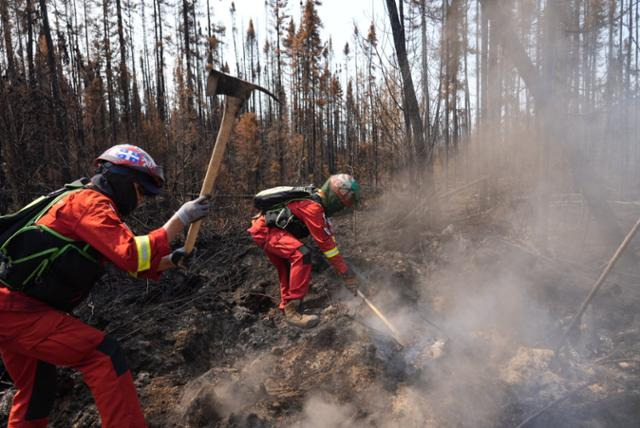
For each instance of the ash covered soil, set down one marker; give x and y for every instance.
(479, 307)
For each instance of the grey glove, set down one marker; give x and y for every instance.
(193, 210)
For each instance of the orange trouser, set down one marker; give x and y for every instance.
(35, 338)
(291, 258)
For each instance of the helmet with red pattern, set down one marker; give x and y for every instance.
(128, 159)
(340, 191)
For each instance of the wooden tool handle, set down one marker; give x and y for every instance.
(394, 333)
(598, 283)
(231, 108)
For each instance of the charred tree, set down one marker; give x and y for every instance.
(124, 73)
(159, 57)
(8, 43)
(58, 105)
(113, 113)
(408, 90)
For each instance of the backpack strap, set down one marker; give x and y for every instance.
(62, 193)
(55, 196)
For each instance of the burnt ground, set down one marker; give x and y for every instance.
(480, 306)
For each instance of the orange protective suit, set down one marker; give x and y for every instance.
(290, 256)
(35, 337)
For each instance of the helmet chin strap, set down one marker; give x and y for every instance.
(330, 207)
(330, 200)
(322, 195)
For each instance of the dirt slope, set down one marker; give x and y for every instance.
(479, 308)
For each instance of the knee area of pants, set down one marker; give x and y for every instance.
(43, 394)
(306, 254)
(112, 349)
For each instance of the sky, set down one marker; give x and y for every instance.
(338, 17)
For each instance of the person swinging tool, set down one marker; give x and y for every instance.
(68, 242)
(289, 214)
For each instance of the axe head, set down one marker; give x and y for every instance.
(219, 83)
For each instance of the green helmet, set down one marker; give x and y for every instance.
(340, 191)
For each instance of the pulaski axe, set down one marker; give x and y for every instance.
(236, 91)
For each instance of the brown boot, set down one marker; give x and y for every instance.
(294, 317)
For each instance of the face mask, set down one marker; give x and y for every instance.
(119, 188)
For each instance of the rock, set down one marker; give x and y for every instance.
(202, 410)
(329, 310)
(326, 337)
(256, 301)
(199, 405)
(448, 231)
(526, 365)
(277, 350)
(436, 350)
(243, 314)
(528, 371)
(250, 421)
(142, 379)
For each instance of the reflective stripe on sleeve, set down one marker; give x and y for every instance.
(143, 244)
(331, 253)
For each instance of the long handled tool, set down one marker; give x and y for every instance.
(394, 332)
(598, 283)
(236, 91)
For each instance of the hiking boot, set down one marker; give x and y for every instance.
(294, 317)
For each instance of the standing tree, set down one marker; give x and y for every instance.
(410, 101)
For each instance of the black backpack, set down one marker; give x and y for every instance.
(42, 263)
(11, 223)
(273, 204)
(277, 197)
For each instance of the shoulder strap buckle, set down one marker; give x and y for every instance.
(5, 264)
(284, 218)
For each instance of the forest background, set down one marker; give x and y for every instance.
(461, 77)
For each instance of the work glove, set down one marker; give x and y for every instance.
(350, 281)
(180, 258)
(193, 210)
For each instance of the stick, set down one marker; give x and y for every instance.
(599, 282)
(553, 403)
(394, 333)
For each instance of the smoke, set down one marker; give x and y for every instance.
(221, 392)
(479, 285)
(470, 317)
(479, 271)
(321, 412)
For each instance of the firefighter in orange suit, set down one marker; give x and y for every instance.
(292, 259)
(37, 331)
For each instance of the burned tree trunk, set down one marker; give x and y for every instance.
(30, 65)
(159, 57)
(109, 72)
(59, 106)
(408, 90)
(8, 45)
(124, 73)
